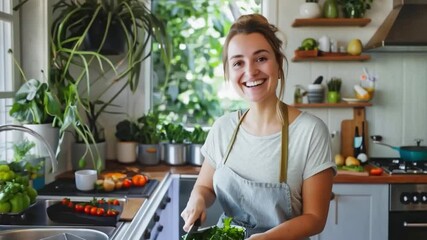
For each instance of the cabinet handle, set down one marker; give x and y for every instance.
(406, 224)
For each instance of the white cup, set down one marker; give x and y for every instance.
(324, 44)
(85, 179)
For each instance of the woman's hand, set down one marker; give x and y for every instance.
(195, 208)
(257, 236)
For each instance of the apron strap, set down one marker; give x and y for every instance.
(284, 155)
(233, 137)
(285, 139)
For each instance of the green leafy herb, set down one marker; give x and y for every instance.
(227, 232)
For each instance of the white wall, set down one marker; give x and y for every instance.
(399, 111)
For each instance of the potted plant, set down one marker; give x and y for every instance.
(354, 8)
(149, 138)
(197, 138)
(175, 148)
(88, 79)
(334, 88)
(35, 106)
(126, 133)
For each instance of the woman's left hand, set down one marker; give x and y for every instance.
(257, 236)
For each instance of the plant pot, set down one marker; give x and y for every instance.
(115, 40)
(352, 12)
(78, 150)
(51, 136)
(310, 10)
(149, 154)
(175, 153)
(126, 152)
(333, 97)
(195, 156)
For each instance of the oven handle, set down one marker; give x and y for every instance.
(406, 224)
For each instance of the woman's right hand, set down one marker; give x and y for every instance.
(195, 208)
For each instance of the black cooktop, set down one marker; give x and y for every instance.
(67, 187)
(399, 166)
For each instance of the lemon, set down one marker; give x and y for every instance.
(354, 47)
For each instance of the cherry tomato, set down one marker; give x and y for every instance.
(101, 201)
(79, 207)
(70, 204)
(112, 212)
(376, 171)
(65, 201)
(87, 209)
(127, 183)
(139, 180)
(93, 211)
(100, 212)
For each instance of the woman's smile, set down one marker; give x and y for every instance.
(256, 83)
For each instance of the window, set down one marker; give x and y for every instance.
(7, 85)
(194, 92)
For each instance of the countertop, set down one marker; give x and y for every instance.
(159, 172)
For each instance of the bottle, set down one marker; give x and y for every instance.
(360, 145)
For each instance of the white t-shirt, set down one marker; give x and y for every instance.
(258, 158)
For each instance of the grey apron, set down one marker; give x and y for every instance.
(257, 206)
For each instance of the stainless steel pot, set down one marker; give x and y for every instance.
(175, 153)
(195, 157)
(407, 153)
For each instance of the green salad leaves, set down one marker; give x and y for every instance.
(227, 232)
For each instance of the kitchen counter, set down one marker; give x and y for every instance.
(165, 174)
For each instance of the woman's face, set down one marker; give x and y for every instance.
(252, 67)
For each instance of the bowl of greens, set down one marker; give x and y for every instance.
(227, 231)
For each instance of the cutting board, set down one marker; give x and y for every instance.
(352, 173)
(130, 208)
(347, 135)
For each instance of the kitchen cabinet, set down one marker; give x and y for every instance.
(331, 22)
(358, 211)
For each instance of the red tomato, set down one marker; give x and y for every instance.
(100, 212)
(101, 201)
(70, 204)
(127, 183)
(116, 202)
(79, 207)
(65, 201)
(139, 180)
(376, 171)
(87, 209)
(112, 212)
(93, 211)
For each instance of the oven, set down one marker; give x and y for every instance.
(407, 202)
(408, 212)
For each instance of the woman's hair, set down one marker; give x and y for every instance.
(256, 23)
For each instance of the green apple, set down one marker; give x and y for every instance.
(354, 47)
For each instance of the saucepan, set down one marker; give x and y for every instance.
(407, 153)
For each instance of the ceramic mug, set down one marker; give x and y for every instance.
(85, 179)
(324, 44)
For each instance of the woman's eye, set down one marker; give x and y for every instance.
(261, 59)
(237, 64)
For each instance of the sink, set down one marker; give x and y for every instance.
(52, 234)
(35, 224)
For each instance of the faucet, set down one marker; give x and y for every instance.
(36, 135)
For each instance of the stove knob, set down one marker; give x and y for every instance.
(424, 197)
(405, 198)
(415, 197)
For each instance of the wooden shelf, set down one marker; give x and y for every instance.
(332, 58)
(336, 22)
(333, 105)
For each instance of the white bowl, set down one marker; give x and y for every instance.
(85, 179)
